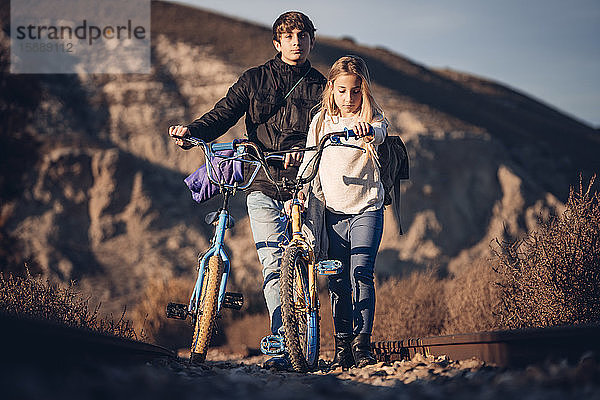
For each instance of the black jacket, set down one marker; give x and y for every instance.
(271, 121)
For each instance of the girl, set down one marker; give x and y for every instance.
(348, 183)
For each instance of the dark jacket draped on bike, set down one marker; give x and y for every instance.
(272, 121)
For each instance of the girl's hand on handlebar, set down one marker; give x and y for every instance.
(179, 130)
(362, 130)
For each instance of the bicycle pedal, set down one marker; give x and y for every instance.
(233, 300)
(272, 345)
(329, 267)
(177, 311)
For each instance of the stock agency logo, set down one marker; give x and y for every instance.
(80, 36)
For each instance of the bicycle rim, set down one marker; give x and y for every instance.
(207, 312)
(300, 316)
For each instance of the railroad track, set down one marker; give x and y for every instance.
(30, 341)
(26, 341)
(502, 348)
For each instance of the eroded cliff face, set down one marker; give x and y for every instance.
(106, 204)
(464, 192)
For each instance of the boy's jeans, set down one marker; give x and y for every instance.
(354, 240)
(268, 230)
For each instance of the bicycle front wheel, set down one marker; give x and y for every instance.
(299, 313)
(207, 312)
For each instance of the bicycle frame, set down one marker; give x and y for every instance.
(299, 240)
(228, 190)
(302, 339)
(216, 248)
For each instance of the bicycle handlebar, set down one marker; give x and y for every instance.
(240, 148)
(335, 139)
(222, 146)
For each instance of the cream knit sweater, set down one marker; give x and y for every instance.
(349, 178)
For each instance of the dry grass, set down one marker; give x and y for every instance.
(31, 297)
(472, 299)
(237, 331)
(425, 305)
(551, 277)
(159, 329)
(410, 307)
(244, 334)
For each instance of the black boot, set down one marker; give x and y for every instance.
(343, 351)
(361, 350)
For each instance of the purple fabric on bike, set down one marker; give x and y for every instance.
(228, 171)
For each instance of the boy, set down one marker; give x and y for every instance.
(276, 98)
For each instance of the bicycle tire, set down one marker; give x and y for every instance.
(207, 313)
(300, 317)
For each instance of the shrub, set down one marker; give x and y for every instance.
(552, 277)
(31, 297)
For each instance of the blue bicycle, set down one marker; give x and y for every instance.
(299, 270)
(209, 294)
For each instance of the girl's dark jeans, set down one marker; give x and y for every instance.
(354, 240)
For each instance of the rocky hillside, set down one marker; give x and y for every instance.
(92, 188)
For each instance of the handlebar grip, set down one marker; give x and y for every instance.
(350, 133)
(279, 157)
(221, 146)
(347, 134)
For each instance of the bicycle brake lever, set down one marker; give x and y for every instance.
(188, 139)
(349, 145)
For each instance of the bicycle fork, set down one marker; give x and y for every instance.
(298, 239)
(308, 299)
(226, 299)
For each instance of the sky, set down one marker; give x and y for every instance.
(547, 49)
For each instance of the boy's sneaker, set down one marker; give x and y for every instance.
(278, 363)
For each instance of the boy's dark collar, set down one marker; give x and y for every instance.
(296, 69)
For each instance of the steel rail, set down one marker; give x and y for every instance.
(502, 348)
(32, 341)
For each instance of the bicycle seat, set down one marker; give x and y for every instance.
(213, 218)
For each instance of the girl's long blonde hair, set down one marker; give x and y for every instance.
(369, 109)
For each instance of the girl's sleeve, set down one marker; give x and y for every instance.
(380, 131)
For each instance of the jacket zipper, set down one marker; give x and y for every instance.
(278, 134)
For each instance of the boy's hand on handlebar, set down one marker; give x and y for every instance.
(180, 130)
(293, 159)
(364, 130)
(287, 206)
